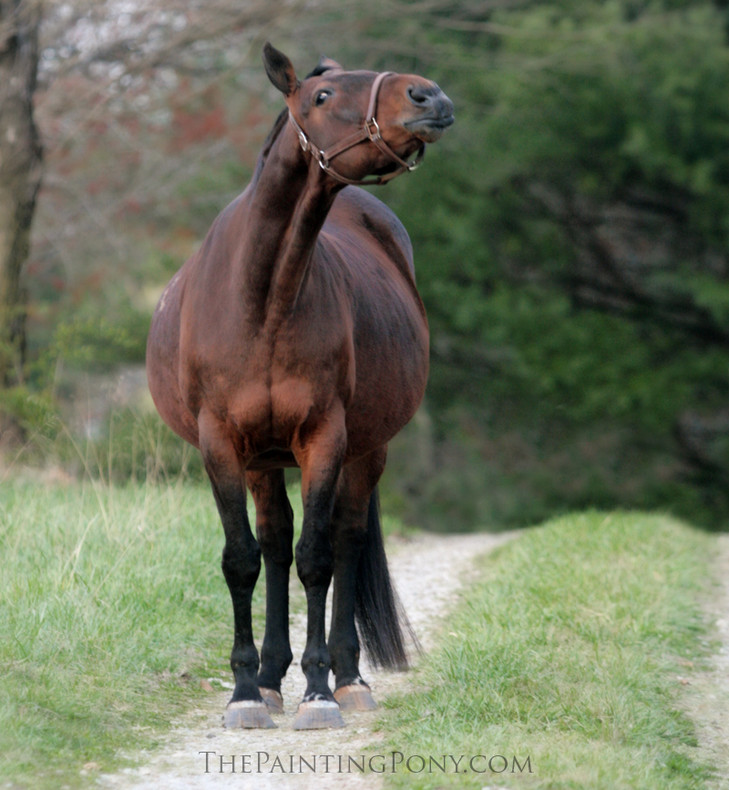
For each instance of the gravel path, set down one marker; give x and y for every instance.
(428, 572)
(707, 696)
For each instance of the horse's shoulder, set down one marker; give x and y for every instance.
(363, 214)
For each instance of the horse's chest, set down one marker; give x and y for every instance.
(272, 415)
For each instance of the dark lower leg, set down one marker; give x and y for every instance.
(343, 639)
(241, 566)
(349, 535)
(241, 554)
(276, 651)
(274, 526)
(313, 561)
(320, 462)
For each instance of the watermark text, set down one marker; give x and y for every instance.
(390, 762)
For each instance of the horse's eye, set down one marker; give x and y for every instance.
(321, 97)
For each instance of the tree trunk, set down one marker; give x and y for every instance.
(20, 173)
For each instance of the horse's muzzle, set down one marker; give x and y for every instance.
(434, 112)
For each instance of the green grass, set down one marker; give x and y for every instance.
(113, 608)
(567, 652)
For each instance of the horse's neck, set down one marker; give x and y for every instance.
(289, 203)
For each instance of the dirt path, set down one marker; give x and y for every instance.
(707, 696)
(428, 572)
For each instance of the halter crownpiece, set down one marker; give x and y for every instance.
(370, 130)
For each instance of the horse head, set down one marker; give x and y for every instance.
(371, 123)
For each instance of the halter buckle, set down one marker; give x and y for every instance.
(372, 129)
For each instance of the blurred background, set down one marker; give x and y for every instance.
(571, 236)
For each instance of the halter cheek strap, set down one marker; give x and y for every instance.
(369, 131)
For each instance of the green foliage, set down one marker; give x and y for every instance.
(567, 652)
(98, 338)
(96, 342)
(588, 168)
(34, 412)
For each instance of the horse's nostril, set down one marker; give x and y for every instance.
(417, 95)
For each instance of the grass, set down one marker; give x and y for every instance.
(113, 609)
(567, 652)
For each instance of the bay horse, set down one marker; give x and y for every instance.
(295, 337)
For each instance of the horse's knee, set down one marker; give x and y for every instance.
(314, 563)
(241, 565)
(276, 546)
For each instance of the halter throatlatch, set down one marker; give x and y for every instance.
(369, 131)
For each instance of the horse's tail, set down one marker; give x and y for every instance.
(380, 615)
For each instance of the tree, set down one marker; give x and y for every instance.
(20, 172)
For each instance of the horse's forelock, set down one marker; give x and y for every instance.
(319, 70)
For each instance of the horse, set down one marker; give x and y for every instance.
(295, 337)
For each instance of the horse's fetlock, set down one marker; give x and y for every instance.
(278, 662)
(317, 661)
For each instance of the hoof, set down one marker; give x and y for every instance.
(318, 715)
(247, 714)
(356, 696)
(273, 700)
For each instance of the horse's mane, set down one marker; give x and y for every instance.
(278, 125)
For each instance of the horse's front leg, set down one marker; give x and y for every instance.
(241, 566)
(275, 531)
(320, 463)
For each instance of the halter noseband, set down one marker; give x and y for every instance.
(369, 131)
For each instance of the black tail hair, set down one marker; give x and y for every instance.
(380, 616)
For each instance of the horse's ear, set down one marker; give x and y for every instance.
(280, 70)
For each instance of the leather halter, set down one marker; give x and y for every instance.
(370, 130)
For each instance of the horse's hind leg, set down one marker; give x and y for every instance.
(241, 566)
(349, 534)
(275, 531)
